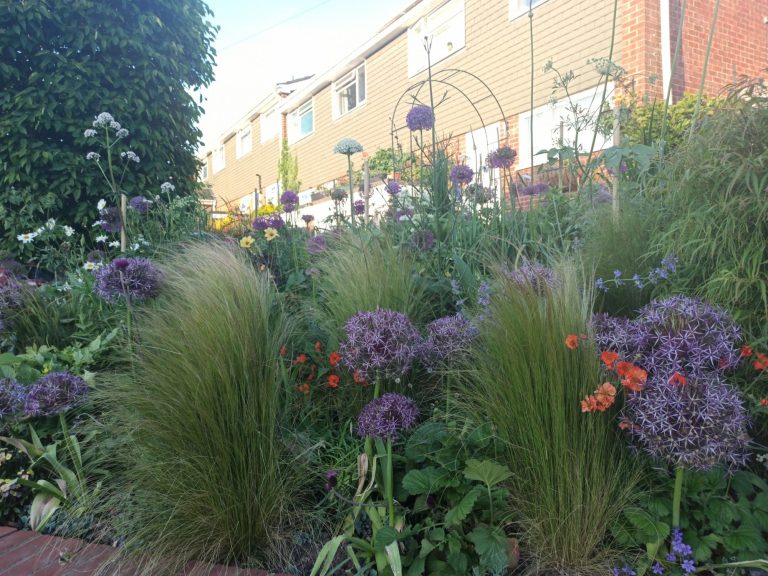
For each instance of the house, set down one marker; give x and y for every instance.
(491, 78)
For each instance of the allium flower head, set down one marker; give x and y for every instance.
(479, 194)
(317, 244)
(532, 275)
(348, 146)
(504, 157)
(110, 220)
(12, 395)
(424, 240)
(139, 204)
(275, 221)
(696, 426)
(393, 187)
(54, 393)
(386, 417)
(137, 278)
(381, 342)
(462, 174)
(307, 218)
(338, 194)
(420, 118)
(359, 207)
(448, 340)
(289, 200)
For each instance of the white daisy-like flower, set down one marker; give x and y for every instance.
(27, 237)
(114, 244)
(134, 246)
(167, 187)
(101, 204)
(89, 266)
(40, 230)
(51, 223)
(101, 238)
(97, 223)
(68, 231)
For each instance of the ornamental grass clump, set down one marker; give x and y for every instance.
(199, 472)
(572, 474)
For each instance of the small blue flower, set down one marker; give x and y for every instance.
(688, 566)
(670, 263)
(628, 570)
(614, 571)
(637, 280)
(600, 285)
(670, 557)
(657, 568)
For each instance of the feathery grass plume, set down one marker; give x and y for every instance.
(200, 469)
(362, 273)
(572, 475)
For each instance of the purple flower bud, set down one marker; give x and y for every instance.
(331, 479)
(316, 244)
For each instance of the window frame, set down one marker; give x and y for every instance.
(204, 171)
(294, 126)
(240, 149)
(444, 20)
(219, 159)
(269, 125)
(518, 8)
(352, 77)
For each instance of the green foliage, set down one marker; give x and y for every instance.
(713, 210)
(200, 475)
(63, 65)
(288, 169)
(15, 498)
(572, 476)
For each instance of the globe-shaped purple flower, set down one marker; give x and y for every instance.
(317, 244)
(135, 278)
(420, 118)
(504, 157)
(55, 393)
(338, 194)
(696, 425)
(139, 204)
(424, 240)
(381, 343)
(533, 275)
(109, 219)
(12, 396)
(275, 221)
(448, 341)
(387, 417)
(393, 187)
(307, 218)
(619, 335)
(359, 207)
(289, 201)
(462, 174)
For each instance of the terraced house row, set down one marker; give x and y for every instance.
(494, 64)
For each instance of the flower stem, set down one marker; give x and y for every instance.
(677, 496)
(388, 486)
(351, 192)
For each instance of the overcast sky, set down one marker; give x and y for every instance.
(264, 42)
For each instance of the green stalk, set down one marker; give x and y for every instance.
(674, 65)
(351, 192)
(677, 496)
(389, 485)
(704, 71)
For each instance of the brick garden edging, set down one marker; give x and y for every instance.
(24, 553)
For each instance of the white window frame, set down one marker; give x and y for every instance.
(546, 125)
(204, 171)
(269, 125)
(294, 121)
(219, 159)
(478, 145)
(271, 195)
(356, 80)
(243, 141)
(446, 29)
(519, 7)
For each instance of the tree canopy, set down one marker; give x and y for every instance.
(63, 63)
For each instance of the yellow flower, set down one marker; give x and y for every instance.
(266, 209)
(270, 234)
(246, 242)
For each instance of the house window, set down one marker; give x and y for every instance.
(520, 7)
(268, 125)
(349, 91)
(302, 122)
(478, 144)
(576, 115)
(244, 142)
(444, 31)
(204, 170)
(218, 159)
(272, 194)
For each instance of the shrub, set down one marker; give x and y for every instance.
(201, 463)
(571, 474)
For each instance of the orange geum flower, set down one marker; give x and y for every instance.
(635, 378)
(572, 341)
(764, 402)
(746, 351)
(301, 359)
(589, 404)
(605, 395)
(678, 378)
(623, 368)
(318, 347)
(333, 380)
(303, 388)
(334, 358)
(761, 362)
(609, 358)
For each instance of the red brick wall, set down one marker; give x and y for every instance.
(640, 30)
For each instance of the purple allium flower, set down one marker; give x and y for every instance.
(603, 196)
(139, 204)
(504, 157)
(348, 146)
(307, 218)
(462, 174)
(484, 294)
(393, 187)
(535, 189)
(338, 194)
(424, 240)
(380, 343)
(359, 207)
(420, 118)
(618, 334)
(331, 479)
(696, 425)
(533, 275)
(54, 393)
(110, 219)
(12, 395)
(316, 244)
(448, 340)
(137, 278)
(275, 221)
(403, 215)
(386, 417)
(479, 193)
(289, 200)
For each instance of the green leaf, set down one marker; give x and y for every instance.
(384, 537)
(43, 507)
(426, 480)
(491, 545)
(648, 529)
(425, 440)
(393, 556)
(488, 472)
(458, 513)
(417, 566)
(744, 538)
(324, 560)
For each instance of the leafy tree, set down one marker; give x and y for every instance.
(61, 64)
(288, 169)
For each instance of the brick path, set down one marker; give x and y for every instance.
(24, 553)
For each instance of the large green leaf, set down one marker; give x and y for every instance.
(491, 545)
(426, 480)
(458, 513)
(488, 472)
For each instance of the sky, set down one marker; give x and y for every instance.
(264, 42)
